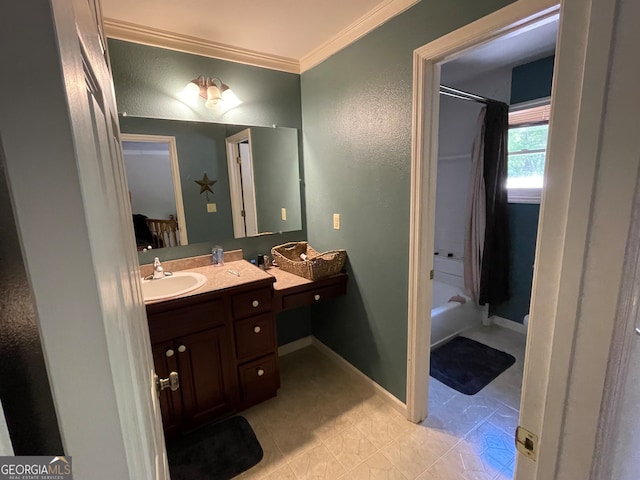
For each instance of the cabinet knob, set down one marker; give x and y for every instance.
(255, 303)
(257, 329)
(316, 296)
(260, 372)
(182, 349)
(170, 353)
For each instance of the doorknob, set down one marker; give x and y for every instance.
(173, 382)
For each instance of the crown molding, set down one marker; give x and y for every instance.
(368, 22)
(132, 32)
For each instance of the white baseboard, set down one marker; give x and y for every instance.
(291, 347)
(390, 399)
(509, 324)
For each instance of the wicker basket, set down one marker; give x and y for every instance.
(316, 266)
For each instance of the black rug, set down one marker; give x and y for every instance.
(218, 451)
(468, 366)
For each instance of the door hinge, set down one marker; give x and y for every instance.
(527, 443)
(431, 275)
(238, 160)
(242, 213)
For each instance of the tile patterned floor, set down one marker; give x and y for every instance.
(327, 425)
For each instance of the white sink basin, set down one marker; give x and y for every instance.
(171, 286)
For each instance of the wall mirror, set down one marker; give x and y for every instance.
(194, 182)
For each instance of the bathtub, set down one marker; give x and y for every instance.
(449, 319)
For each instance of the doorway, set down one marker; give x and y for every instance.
(427, 78)
(241, 184)
(155, 190)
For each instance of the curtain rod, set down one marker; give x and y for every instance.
(462, 95)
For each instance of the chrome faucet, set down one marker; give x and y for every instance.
(158, 271)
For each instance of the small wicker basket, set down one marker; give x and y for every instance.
(314, 267)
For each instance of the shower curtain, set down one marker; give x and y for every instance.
(489, 277)
(474, 232)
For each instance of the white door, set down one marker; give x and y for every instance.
(241, 184)
(594, 156)
(69, 194)
(248, 188)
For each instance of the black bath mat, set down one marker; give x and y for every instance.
(468, 366)
(219, 451)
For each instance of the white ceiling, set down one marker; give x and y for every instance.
(294, 35)
(282, 28)
(507, 51)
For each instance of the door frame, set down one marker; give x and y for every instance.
(424, 162)
(175, 174)
(564, 254)
(242, 199)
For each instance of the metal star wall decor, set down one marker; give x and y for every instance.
(205, 185)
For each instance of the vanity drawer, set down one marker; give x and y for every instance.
(259, 380)
(255, 336)
(251, 303)
(312, 296)
(185, 320)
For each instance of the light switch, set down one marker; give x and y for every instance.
(211, 208)
(284, 213)
(336, 221)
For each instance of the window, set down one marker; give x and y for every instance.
(528, 132)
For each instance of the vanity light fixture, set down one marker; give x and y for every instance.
(213, 90)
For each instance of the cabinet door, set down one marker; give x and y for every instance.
(207, 377)
(165, 361)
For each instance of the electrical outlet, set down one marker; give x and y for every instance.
(336, 221)
(284, 214)
(212, 208)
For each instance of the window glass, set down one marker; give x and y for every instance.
(527, 146)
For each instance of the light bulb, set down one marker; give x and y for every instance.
(230, 98)
(190, 93)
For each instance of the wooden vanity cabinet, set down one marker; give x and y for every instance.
(223, 346)
(292, 291)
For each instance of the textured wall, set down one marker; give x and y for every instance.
(24, 390)
(148, 81)
(357, 143)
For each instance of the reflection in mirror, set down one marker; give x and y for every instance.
(155, 192)
(264, 180)
(271, 175)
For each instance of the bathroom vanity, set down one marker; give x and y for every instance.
(221, 339)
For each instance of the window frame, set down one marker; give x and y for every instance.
(526, 195)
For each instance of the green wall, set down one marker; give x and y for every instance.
(532, 80)
(276, 179)
(523, 228)
(529, 81)
(356, 109)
